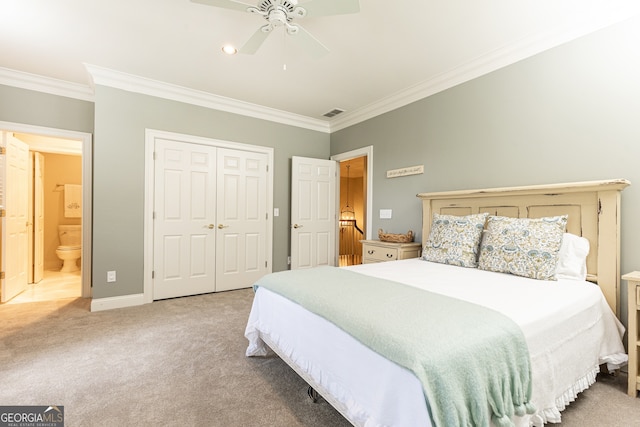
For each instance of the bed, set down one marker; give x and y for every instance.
(569, 324)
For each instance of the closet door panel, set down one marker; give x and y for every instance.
(242, 218)
(185, 190)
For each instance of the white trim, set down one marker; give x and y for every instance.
(131, 83)
(484, 64)
(109, 303)
(368, 153)
(87, 188)
(149, 181)
(45, 84)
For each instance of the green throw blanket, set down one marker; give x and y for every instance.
(473, 362)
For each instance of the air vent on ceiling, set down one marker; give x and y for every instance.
(333, 112)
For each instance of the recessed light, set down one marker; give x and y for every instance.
(229, 50)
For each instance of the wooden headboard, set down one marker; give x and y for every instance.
(593, 208)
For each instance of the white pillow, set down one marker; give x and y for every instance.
(572, 258)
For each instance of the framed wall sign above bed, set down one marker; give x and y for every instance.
(461, 336)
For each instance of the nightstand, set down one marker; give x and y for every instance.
(633, 295)
(377, 251)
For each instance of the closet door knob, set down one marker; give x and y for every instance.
(297, 226)
(221, 226)
(210, 226)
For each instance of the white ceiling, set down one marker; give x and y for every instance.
(387, 55)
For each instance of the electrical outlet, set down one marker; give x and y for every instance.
(276, 212)
(288, 260)
(111, 276)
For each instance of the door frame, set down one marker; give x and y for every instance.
(87, 186)
(149, 188)
(360, 152)
(37, 207)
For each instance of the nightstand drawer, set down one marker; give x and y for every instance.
(375, 253)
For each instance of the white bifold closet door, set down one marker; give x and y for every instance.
(242, 218)
(210, 218)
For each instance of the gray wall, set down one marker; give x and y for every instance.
(568, 114)
(118, 174)
(42, 109)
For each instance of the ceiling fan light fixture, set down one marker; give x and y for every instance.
(281, 13)
(229, 50)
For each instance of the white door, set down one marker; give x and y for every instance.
(15, 237)
(184, 225)
(242, 218)
(38, 218)
(313, 212)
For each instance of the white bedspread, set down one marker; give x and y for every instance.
(568, 325)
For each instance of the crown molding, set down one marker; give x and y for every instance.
(131, 83)
(45, 84)
(485, 64)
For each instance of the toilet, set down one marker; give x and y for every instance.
(70, 248)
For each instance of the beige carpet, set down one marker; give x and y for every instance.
(181, 362)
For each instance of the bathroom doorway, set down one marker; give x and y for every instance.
(57, 162)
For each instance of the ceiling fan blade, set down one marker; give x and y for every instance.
(329, 7)
(308, 42)
(226, 4)
(253, 44)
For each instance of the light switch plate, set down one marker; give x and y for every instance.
(385, 213)
(111, 276)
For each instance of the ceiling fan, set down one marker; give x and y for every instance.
(281, 13)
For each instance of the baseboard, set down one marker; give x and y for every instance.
(100, 304)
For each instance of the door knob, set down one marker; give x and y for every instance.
(296, 226)
(210, 226)
(221, 226)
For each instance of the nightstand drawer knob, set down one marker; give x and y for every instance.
(389, 255)
(370, 252)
